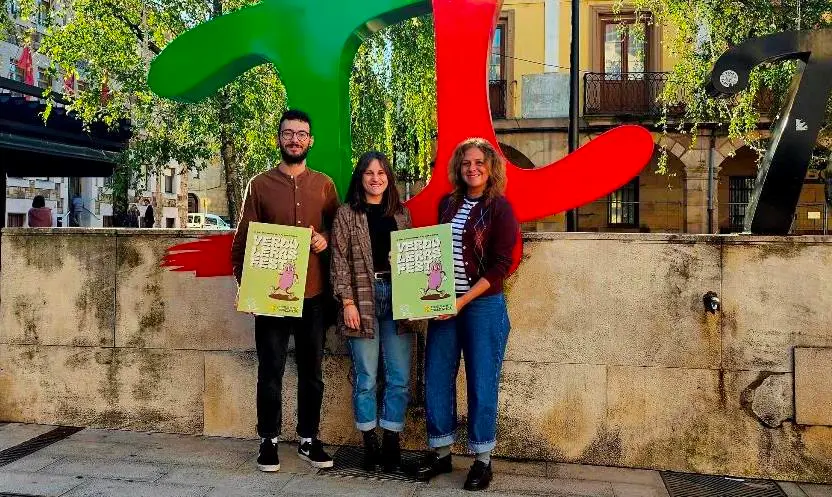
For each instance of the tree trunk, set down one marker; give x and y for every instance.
(120, 194)
(234, 190)
(158, 201)
(182, 197)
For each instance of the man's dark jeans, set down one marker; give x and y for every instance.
(272, 339)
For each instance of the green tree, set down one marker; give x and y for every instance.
(393, 93)
(108, 44)
(700, 31)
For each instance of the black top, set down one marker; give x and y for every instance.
(380, 228)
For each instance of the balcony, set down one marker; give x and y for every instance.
(637, 93)
(634, 93)
(497, 96)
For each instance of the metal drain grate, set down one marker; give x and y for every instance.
(691, 485)
(348, 462)
(33, 445)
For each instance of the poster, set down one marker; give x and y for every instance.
(274, 270)
(422, 272)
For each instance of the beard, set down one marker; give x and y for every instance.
(293, 159)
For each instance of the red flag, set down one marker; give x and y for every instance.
(24, 63)
(69, 84)
(104, 98)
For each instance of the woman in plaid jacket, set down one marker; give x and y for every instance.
(360, 276)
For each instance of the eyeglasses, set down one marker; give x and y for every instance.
(287, 135)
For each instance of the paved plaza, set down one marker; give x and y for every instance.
(99, 463)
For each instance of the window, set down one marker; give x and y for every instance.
(45, 78)
(108, 182)
(107, 221)
(44, 10)
(497, 85)
(211, 221)
(15, 72)
(623, 48)
(14, 9)
(739, 194)
(170, 222)
(497, 66)
(622, 209)
(16, 220)
(169, 183)
(193, 203)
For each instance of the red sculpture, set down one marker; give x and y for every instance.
(463, 39)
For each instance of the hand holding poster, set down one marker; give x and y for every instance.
(422, 268)
(274, 270)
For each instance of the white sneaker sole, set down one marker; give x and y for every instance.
(269, 468)
(316, 464)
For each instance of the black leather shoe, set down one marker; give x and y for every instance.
(431, 465)
(479, 476)
(371, 450)
(391, 453)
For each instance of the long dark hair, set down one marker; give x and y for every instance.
(356, 197)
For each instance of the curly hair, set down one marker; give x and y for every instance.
(496, 184)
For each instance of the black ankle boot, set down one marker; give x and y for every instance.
(391, 452)
(371, 450)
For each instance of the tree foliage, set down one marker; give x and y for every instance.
(393, 96)
(702, 30)
(108, 45)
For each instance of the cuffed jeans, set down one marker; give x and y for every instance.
(395, 351)
(479, 332)
(271, 335)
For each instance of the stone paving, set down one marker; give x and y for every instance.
(104, 463)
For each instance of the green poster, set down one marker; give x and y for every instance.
(274, 270)
(423, 272)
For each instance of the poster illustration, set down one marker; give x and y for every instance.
(274, 270)
(423, 272)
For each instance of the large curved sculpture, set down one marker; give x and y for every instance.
(312, 43)
(780, 177)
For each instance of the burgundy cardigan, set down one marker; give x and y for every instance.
(488, 239)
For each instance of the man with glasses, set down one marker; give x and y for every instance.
(293, 195)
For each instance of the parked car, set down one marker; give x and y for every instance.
(199, 220)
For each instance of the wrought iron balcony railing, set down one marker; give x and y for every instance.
(637, 94)
(633, 93)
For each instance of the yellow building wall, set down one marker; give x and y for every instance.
(528, 52)
(589, 9)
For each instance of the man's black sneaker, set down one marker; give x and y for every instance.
(429, 466)
(313, 453)
(268, 460)
(479, 476)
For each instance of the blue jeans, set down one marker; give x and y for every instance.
(395, 350)
(479, 332)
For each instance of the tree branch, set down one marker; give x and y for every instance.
(119, 14)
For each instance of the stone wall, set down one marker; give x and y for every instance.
(612, 359)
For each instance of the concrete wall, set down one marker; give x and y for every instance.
(611, 359)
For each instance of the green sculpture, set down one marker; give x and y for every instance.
(311, 43)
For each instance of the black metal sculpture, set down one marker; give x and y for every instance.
(795, 132)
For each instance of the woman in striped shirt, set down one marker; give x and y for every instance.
(485, 232)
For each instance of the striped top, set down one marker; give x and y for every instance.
(457, 227)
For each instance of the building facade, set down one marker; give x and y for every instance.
(622, 74)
